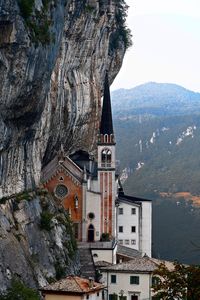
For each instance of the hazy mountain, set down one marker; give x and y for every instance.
(157, 129)
(157, 99)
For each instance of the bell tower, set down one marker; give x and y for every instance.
(106, 165)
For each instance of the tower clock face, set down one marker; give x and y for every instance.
(61, 191)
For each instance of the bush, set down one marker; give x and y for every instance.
(37, 22)
(105, 237)
(60, 271)
(26, 8)
(45, 222)
(122, 33)
(19, 291)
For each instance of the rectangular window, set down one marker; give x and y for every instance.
(126, 242)
(120, 242)
(133, 229)
(133, 297)
(103, 295)
(113, 278)
(121, 211)
(97, 294)
(155, 280)
(134, 280)
(113, 297)
(76, 230)
(88, 297)
(122, 297)
(120, 228)
(133, 211)
(133, 242)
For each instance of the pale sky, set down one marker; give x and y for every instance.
(166, 44)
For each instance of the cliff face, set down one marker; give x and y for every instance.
(37, 244)
(53, 58)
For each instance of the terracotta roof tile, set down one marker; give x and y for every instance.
(73, 284)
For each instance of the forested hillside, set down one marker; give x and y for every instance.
(158, 144)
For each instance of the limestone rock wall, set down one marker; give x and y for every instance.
(51, 81)
(35, 253)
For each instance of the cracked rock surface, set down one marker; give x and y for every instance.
(34, 253)
(51, 83)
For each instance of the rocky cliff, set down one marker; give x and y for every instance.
(37, 244)
(53, 58)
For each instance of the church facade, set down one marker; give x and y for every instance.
(91, 193)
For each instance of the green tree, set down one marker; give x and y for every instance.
(183, 282)
(193, 282)
(18, 291)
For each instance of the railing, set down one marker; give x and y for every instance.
(99, 244)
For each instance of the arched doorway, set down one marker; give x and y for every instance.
(91, 233)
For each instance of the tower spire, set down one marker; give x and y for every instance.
(106, 125)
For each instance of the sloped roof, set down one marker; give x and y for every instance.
(102, 263)
(84, 160)
(127, 251)
(136, 265)
(61, 163)
(125, 198)
(168, 264)
(73, 284)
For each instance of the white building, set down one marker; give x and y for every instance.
(134, 216)
(132, 280)
(88, 190)
(73, 288)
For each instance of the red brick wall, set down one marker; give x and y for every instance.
(106, 201)
(68, 201)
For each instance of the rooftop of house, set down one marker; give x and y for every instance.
(168, 264)
(85, 160)
(102, 263)
(125, 198)
(73, 284)
(127, 252)
(138, 264)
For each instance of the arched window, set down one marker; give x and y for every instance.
(105, 138)
(90, 233)
(106, 157)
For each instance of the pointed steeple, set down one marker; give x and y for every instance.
(106, 126)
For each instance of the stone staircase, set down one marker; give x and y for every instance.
(87, 264)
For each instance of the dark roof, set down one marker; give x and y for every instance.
(127, 251)
(102, 263)
(122, 197)
(84, 160)
(80, 155)
(106, 126)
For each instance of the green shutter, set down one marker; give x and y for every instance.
(134, 280)
(113, 278)
(113, 297)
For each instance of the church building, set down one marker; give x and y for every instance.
(91, 193)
